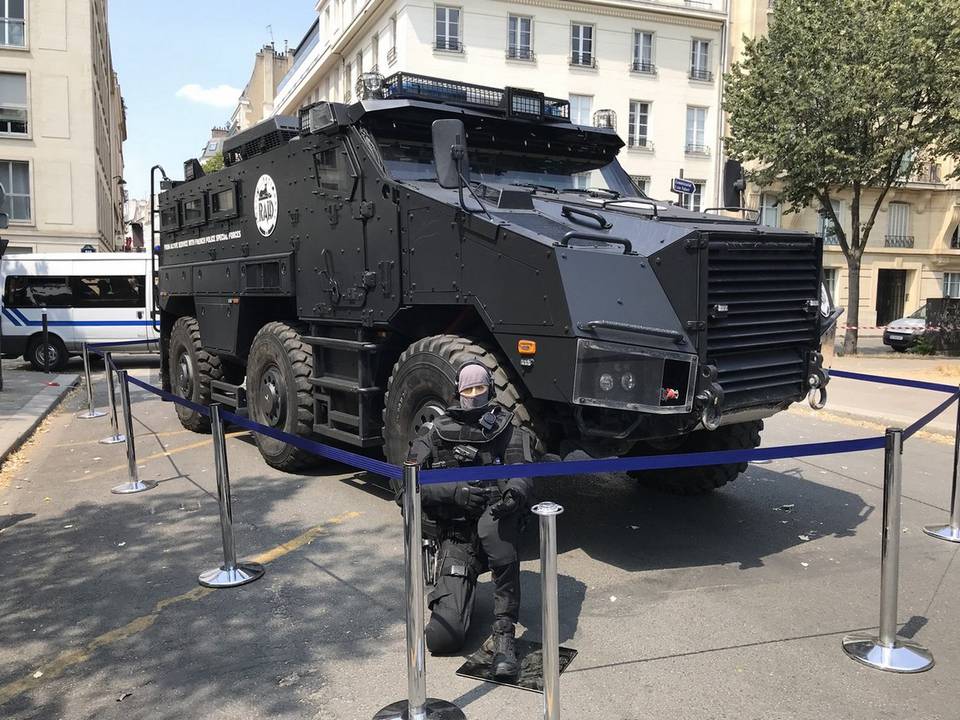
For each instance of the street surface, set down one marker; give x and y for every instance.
(727, 606)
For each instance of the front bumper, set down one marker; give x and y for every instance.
(900, 338)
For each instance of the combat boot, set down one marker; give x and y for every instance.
(504, 664)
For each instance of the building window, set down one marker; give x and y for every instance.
(519, 37)
(828, 229)
(898, 226)
(392, 50)
(581, 45)
(13, 103)
(770, 210)
(692, 201)
(955, 239)
(643, 52)
(12, 33)
(951, 285)
(15, 177)
(375, 53)
(580, 106)
(448, 28)
(347, 81)
(696, 130)
(642, 183)
(638, 133)
(700, 60)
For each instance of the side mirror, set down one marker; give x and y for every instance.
(450, 152)
(733, 184)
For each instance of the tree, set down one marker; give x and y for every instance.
(213, 164)
(847, 94)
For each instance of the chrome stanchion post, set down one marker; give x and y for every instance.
(231, 573)
(951, 531)
(417, 706)
(46, 342)
(135, 485)
(112, 397)
(886, 651)
(92, 411)
(548, 512)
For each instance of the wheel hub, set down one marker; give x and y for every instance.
(272, 396)
(185, 375)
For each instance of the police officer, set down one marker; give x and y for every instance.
(478, 524)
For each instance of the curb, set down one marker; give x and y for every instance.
(37, 409)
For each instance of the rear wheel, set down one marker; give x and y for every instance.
(57, 354)
(701, 480)
(423, 384)
(192, 369)
(279, 394)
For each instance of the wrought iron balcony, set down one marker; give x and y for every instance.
(642, 66)
(640, 143)
(697, 149)
(391, 56)
(520, 53)
(583, 60)
(898, 241)
(449, 44)
(701, 75)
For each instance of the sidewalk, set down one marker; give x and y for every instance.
(25, 401)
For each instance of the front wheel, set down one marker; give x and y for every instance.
(56, 353)
(701, 480)
(192, 369)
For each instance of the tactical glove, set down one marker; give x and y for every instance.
(471, 498)
(509, 503)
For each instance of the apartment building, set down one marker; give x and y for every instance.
(656, 65)
(62, 126)
(914, 249)
(256, 101)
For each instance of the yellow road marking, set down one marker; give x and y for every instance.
(166, 452)
(68, 658)
(145, 434)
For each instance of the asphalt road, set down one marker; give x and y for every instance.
(728, 606)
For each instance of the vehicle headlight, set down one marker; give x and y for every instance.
(632, 378)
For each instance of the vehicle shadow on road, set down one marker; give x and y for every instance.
(762, 513)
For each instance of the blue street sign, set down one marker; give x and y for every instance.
(681, 186)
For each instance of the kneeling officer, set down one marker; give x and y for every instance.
(478, 524)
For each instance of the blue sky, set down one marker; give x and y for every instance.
(174, 59)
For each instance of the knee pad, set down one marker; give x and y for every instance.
(442, 637)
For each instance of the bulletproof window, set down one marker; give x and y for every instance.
(170, 217)
(335, 173)
(13, 103)
(223, 204)
(193, 211)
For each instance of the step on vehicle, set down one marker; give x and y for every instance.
(88, 298)
(333, 277)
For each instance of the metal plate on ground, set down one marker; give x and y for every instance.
(478, 666)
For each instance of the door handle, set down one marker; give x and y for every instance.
(139, 314)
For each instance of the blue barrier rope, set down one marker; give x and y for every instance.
(926, 419)
(577, 467)
(918, 384)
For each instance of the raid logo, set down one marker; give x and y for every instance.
(266, 206)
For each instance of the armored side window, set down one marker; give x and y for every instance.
(170, 217)
(336, 174)
(223, 203)
(193, 212)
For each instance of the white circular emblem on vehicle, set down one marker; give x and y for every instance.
(266, 206)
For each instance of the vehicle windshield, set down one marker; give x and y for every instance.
(920, 314)
(538, 157)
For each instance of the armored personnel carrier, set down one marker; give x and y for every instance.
(332, 278)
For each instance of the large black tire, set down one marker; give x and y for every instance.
(279, 393)
(57, 354)
(192, 369)
(701, 480)
(423, 384)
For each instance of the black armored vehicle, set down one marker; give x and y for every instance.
(332, 278)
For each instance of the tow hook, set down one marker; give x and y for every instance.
(817, 396)
(711, 414)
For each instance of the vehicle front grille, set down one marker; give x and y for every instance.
(761, 323)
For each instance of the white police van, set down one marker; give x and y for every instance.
(88, 297)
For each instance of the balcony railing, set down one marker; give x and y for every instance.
(701, 75)
(642, 66)
(831, 239)
(519, 53)
(391, 56)
(448, 44)
(640, 143)
(927, 173)
(698, 4)
(697, 149)
(898, 241)
(583, 60)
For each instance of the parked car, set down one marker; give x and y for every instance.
(88, 297)
(904, 333)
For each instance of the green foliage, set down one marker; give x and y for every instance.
(213, 164)
(841, 94)
(926, 345)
